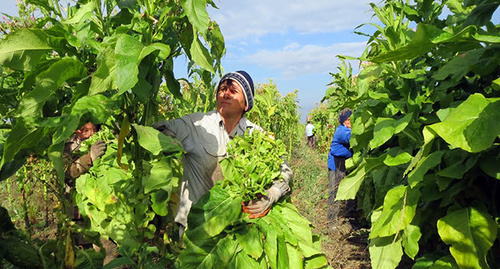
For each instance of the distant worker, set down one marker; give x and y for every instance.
(339, 152)
(310, 134)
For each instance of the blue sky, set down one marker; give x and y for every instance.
(293, 43)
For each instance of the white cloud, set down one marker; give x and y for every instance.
(241, 19)
(295, 59)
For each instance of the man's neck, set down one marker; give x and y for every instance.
(231, 122)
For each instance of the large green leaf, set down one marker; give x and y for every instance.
(431, 262)
(470, 234)
(10, 168)
(243, 260)
(385, 253)
(200, 55)
(270, 244)
(214, 211)
(420, 44)
(426, 37)
(423, 166)
(399, 208)
(473, 125)
(396, 157)
(23, 48)
(411, 236)
(155, 141)
(104, 78)
(294, 258)
(350, 185)
(214, 253)
(429, 137)
(159, 200)
(459, 66)
(299, 225)
(127, 51)
(459, 167)
(196, 11)
(482, 13)
(55, 153)
(99, 108)
(163, 49)
(20, 137)
(83, 13)
(47, 83)
(161, 176)
(250, 240)
(385, 128)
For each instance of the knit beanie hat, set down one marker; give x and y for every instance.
(344, 114)
(246, 83)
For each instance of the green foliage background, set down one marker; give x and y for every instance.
(110, 62)
(426, 134)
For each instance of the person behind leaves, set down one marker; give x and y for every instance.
(204, 137)
(339, 152)
(77, 166)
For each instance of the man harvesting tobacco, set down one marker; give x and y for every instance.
(339, 152)
(205, 136)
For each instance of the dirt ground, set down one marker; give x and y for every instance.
(344, 246)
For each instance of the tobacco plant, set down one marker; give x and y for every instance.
(96, 61)
(426, 135)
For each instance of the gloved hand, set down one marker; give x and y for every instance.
(259, 207)
(97, 150)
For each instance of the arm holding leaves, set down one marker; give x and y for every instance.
(259, 207)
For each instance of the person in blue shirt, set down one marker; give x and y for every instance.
(339, 152)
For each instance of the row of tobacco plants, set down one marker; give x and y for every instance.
(426, 134)
(111, 62)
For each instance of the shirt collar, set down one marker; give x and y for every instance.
(239, 129)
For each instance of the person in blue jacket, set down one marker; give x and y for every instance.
(339, 152)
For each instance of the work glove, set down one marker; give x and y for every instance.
(259, 207)
(97, 150)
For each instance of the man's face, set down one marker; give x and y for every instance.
(86, 131)
(230, 99)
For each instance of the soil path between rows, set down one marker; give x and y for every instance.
(344, 246)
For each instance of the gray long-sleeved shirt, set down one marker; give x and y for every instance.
(204, 138)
